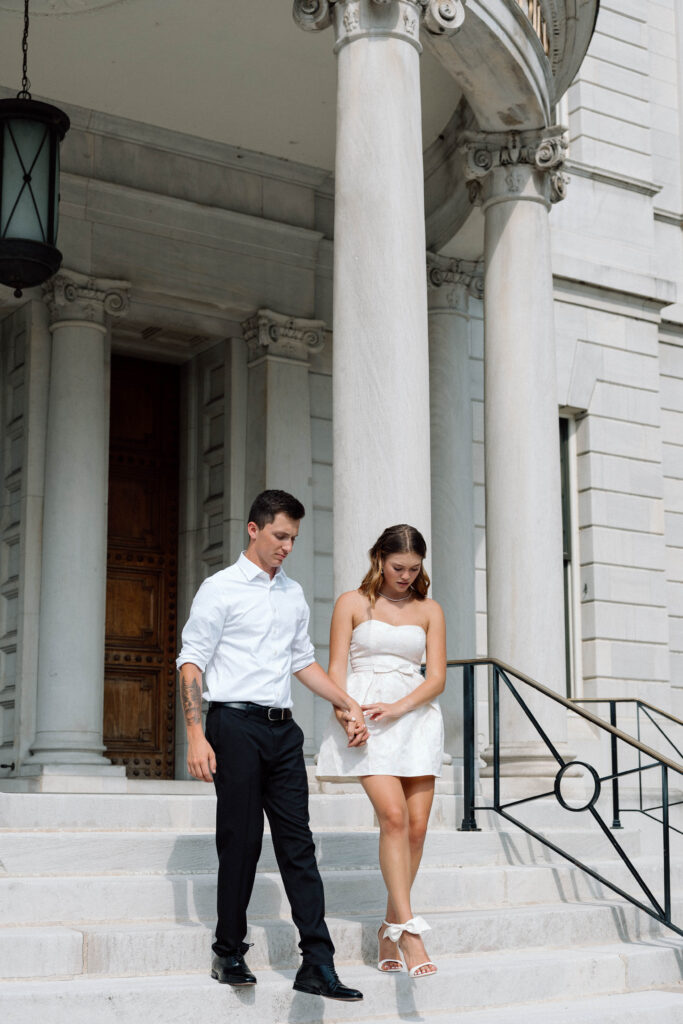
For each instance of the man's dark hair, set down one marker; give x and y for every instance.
(267, 504)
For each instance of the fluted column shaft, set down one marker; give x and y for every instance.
(72, 605)
(516, 177)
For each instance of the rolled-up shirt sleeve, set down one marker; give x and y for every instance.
(204, 627)
(303, 651)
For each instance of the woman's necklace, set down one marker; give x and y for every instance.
(396, 600)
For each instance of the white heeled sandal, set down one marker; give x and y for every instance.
(390, 960)
(416, 926)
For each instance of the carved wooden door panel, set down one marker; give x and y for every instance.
(139, 672)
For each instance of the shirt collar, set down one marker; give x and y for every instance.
(251, 571)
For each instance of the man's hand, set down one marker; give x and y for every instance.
(201, 760)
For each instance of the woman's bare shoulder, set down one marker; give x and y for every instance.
(350, 601)
(433, 610)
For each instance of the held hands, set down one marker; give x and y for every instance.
(353, 723)
(201, 760)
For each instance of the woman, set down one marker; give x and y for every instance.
(385, 625)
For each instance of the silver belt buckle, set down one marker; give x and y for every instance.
(278, 716)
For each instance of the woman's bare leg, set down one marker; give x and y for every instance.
(419, 793)
(402, 807)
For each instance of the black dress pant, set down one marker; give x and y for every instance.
(260, 767)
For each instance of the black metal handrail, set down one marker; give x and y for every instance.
(647, 709)
(661, 911)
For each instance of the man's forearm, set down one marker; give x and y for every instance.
(316, 679)
(191, 694)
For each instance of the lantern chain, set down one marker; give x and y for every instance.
(25, 82)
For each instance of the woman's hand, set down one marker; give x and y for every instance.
(382, 712)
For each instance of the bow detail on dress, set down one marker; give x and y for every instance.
(416, 926)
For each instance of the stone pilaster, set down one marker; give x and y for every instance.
(450, 286)
(72, 604)
(279, 451)
(516, 177)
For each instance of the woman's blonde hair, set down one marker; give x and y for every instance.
(395, 540)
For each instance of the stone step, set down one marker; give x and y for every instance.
(105, 898)
(90, 852)
(651, 1007)
(167, 947)
(110, 811)
(463, 984)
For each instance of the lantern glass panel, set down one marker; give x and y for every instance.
(26, 182)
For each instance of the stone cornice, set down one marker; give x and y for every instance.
(354, 19)
(80, 298)
(507, 161)
(276, 335)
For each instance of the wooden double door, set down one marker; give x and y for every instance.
(141, 622)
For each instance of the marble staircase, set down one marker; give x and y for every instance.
(107, 904)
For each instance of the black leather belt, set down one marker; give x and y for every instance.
(272, 714)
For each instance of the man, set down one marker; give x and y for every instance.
(247, 632)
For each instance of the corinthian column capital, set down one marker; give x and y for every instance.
(354, 19)
(80, 298)
(450, 282)
(273, 334)
(516, 165)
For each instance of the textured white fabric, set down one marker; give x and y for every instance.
(248, 633)
(385, 666)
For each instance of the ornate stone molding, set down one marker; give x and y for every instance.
(355, 19)
(312, 15)
(513, 165)
(444, 17)
(273, 334)
(454, 281)
(77, 297)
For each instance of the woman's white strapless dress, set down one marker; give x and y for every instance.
(385, 666)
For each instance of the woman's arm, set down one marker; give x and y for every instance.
(435, 676)
(341, 629)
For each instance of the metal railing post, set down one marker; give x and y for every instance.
(496, 738)
(469, 822)
(665, 844)
(616, 821)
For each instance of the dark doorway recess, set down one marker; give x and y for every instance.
(142, 580)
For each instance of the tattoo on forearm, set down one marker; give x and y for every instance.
(191, 694)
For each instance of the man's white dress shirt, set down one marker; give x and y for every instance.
(248, 633)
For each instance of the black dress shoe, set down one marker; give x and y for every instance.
(322, 980)
(231, 970)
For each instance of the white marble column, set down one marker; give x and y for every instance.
(450, 284)
(279, 441)
(516, 177)
(380, 357)
(72, 601)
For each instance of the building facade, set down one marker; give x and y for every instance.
(458, 303)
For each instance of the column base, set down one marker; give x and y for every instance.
(67, 778)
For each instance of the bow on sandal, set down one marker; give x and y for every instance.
(390, 965)
(416, 926)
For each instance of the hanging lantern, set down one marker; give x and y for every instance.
(30, 134)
